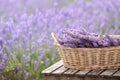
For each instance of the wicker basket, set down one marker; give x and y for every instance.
(89, 58)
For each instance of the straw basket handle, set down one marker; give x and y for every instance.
(55, 39)
(115, 36)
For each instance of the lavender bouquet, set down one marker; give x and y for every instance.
(83, 39)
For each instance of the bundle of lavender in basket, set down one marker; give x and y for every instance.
(83, 39)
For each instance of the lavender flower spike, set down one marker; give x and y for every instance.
(2, 61)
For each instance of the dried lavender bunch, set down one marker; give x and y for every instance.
(81, 38)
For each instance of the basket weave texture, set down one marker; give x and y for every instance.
(89, 58)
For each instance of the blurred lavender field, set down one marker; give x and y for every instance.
(25, 28)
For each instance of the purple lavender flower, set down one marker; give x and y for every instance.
(2, 61)
(19, 69)
(36, 63)
(1, 44)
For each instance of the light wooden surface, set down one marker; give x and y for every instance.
(59, 72)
